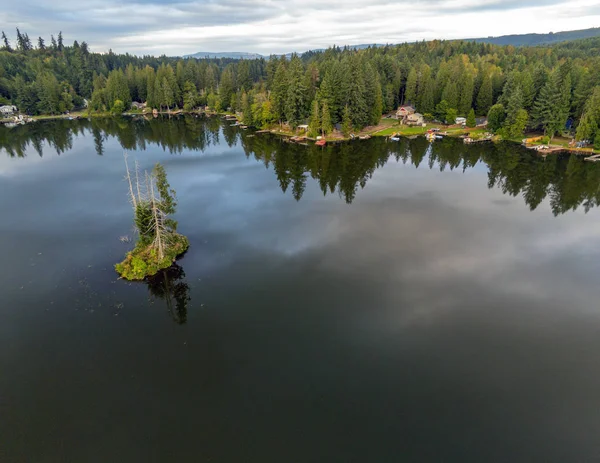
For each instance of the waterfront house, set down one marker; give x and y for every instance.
(7, 110)
(404, 111)
(414, 119)
(460, 120)
(136, 105)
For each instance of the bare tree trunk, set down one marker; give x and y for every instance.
(157, 224)
(137, 180)
(131, 195)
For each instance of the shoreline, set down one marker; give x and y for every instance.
(386, 128)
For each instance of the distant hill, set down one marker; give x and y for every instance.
(516, 40)
(244, 55)
(228, 54)
(539, 39)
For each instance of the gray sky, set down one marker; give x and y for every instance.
(177, 27)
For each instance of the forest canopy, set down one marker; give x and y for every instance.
(544, 87)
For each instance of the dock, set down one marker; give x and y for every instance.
(469, 140)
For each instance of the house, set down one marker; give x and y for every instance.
(404, 111)
(136, 105)
(481, 122)
(414, 119)
(460, 120)
(7, 110)
(303, 127)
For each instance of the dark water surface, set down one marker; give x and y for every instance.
(366, 302)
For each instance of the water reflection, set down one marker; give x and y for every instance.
(568, 181)
(170, 285)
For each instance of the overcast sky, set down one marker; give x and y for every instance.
(177, 27)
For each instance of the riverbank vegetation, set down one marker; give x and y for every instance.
(158, 244)
(543, 88)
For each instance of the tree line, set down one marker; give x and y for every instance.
(547, 88)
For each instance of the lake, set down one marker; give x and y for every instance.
(369, 301)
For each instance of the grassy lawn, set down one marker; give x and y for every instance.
(411, 131)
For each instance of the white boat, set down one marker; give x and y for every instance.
(395, 138)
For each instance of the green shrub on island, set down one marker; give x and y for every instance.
(159, 244)
(143, 261)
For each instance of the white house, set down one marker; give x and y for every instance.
(460, 120)
(414, 119)
(7, 110)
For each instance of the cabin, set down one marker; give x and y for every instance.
(303, 127)
(136, 105)
(460, 120)
(7, 110)
(414, 119)
(404, 111)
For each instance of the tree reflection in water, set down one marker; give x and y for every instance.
(568, 181)
(170, 285)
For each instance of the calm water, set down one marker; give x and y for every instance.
(368, 302)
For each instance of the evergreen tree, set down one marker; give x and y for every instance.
(485, 95)
(451, 116)
(296, 98)
(496, 117)
(346, 122)
(518, 123)
(471, 122)
(528, 89)
(314, 124)
(246, 110)
(450, 94)
(410, 95)
(427, 99)
(6, 42)
(53, 43)
(466, 94)
(21, 45)
(279, 91)
(326, 123)
(168, 97)
(117, 89)
(60, 42)
(515, 104)
(226, 88)
(377, 107)
(440, 110)
(49, 93)
(41, 44)
(356, 90)
(589, 125)
(551, 109)
(190, 96)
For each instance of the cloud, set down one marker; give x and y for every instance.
(177, 27)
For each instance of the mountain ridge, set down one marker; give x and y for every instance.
(530, 39)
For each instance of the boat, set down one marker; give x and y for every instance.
(320, 142)
(364, 137)
(395, 138)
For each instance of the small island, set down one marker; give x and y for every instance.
(158, 244)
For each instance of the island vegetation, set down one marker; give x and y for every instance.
(550, 88)
(158, 244)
